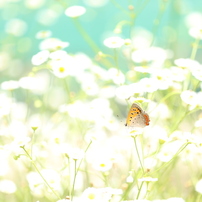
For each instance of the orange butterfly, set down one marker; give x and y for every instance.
(137, 117)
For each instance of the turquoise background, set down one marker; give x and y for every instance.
(98, 23)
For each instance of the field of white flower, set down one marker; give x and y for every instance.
(70, 72)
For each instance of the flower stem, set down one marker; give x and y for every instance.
(76, 170)
(139, 190)
(66, 84)
(177, 153)
(74, 180)
(116, 59)
(89, 40)
(138, 154)
(38, 171)
(194, 50)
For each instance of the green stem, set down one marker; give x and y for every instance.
(82, 158)
(138, 154)
(77, 170)
(32, 143)
(69, 180)
(68, 91)
(116, 59)
(167, 163)
(89, 40)
(139, 190)
(85, 35)
(181, 119)
(194, 50)
(74, 180)
(27, 154)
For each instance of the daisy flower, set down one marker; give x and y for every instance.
(114, 42)
(75, 11)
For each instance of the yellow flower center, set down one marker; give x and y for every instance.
(91, 196)
(61, 69)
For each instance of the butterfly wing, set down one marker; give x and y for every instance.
(137, 117)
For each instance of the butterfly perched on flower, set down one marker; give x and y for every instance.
(137, 117)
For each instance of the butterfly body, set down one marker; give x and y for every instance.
(137, 117)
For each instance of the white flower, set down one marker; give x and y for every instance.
(168, 151)
(59, 55)
(76, 153)
(40, 57)
(60, 69)
(197, 72)
(150, 54)
(198, 123)
(124, 92)
(90, 88)
(47, 16)
(189, 97)
(37, 184)
(134, 131)
(129, 179)
(102, 164)
(10, 85)
(37, 84)
(99, 194)
(20, 141)
(198, 186)
(150, 163)
(92, 194)
(107, 91)
(148, 179)
(53, 44)
(114, 42)
(163, 78)
(187, 63)
(149, 85)
(95, 134)
(178, 74)
(141, 38)
(34, 4)
(194, 19)
(75, 11)
(116, 75)
(16, 27)
(7, 187)
(196, 32)
(5, 105)
(143, 69)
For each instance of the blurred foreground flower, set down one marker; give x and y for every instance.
(116, 75)
(37, 185)
(16, 27)
(192, 98)
(64, 200)
(75, 11)
(40, 57)
(114, 42)
(7, 186)
(10, 85)
(43, 34)
(99, 194)
(196, 32)
(102, 164)
(53, 44)
(198, 186)
(76, 153)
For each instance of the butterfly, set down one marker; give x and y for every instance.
(137, 117)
